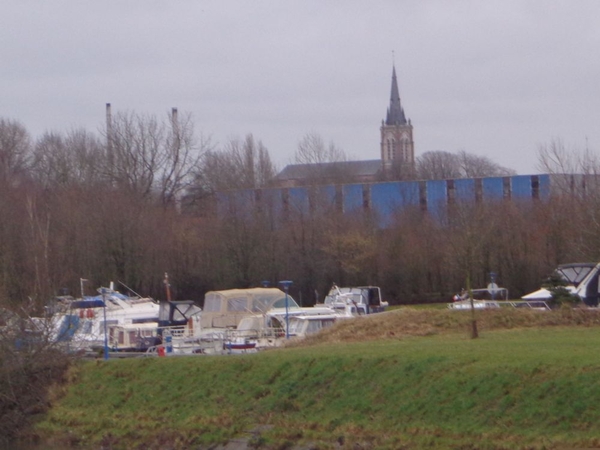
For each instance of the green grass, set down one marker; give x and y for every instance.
(526, 388)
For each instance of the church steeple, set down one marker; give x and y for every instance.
(397, 145)
(395, 113)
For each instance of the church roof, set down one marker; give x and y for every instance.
(351, 168)
(395, 113)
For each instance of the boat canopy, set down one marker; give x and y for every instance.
(226, 308)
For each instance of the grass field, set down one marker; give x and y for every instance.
(530, 381)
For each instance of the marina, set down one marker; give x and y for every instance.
(232, 321)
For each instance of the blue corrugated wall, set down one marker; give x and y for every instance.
(521, 187)
(272, 200)
(544, 186)
(298, 200)
(323, 199)
(383, 199)
(437, 197)
(464, 189)
(353, 197)
(493, 188)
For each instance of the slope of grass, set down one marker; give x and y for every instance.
(427, 385)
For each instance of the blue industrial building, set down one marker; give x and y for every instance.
(383, 199)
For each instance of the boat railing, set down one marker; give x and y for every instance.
(177, 331)
(530, 304)
(254, 333)
(487, 304)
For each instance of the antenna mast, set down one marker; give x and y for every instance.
(168, 287)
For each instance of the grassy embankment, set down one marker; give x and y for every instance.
(532, 380)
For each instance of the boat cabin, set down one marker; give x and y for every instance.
(223, 309)
(133, 337)
(361, 299)
(302, 326)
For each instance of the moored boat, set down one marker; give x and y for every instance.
(358, 300)
(85, 323)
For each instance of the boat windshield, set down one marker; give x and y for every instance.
(291, 303)
(574, 273)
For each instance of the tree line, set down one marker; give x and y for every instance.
(137, 201)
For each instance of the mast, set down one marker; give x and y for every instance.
(167, 287)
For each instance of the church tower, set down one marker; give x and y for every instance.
(397, 145)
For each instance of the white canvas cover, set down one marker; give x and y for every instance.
(226, 308)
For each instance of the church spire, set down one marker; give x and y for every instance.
(395, 113)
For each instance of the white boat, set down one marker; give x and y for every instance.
(85, 324)
(248, 320)
(274, 328)
(360, 300)
(491, 296)
(579, 279)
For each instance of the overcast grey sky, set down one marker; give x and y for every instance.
(495, 78)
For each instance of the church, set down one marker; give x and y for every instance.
(383, 187)
(397, 155)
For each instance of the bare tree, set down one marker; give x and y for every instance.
(135, 143)
(475, 166)
(181, 157)
(152, 157)
(319, 163)
(574, 172)
(240, 165)
(438, 165)
(15, 149)
(67, 160)
(576, 180)
(555, 158)
(312, 150)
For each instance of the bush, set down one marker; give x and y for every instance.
(561, 296)
(28, 368)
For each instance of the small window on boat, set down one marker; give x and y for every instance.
(296, 327)
(281, 303)
(327, 323)
(313, 326)
(212, 303)
(260, 304)
(237, 304)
